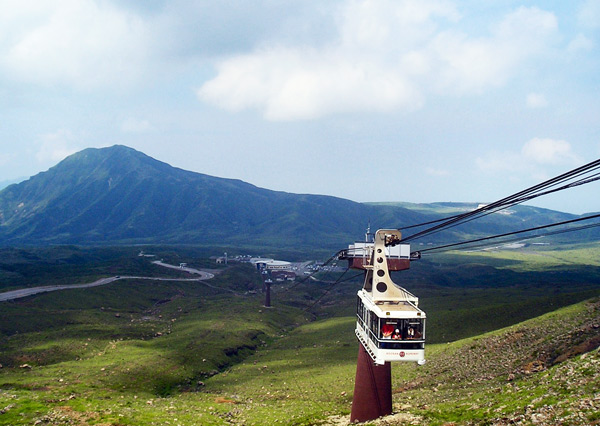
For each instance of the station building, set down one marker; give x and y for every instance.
(271, 264)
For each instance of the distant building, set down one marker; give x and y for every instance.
(271, 264)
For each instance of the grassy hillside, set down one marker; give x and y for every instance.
(146, 352)
(544, 371)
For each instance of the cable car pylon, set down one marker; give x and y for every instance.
(390, 326)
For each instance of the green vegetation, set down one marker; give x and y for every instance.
(544, 257)
(140, 352)
(538, 371)
(33, 267)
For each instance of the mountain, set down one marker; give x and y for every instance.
(119, 195)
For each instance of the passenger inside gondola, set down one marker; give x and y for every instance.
(396, 335)
(387, 330)
(414, 331)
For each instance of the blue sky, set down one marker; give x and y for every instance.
(386, 100)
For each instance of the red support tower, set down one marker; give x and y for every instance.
(372, 389)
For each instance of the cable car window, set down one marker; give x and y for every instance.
(414, 329)
(374, 326)
(400, 329)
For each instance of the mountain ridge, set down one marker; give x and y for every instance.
(118, 195)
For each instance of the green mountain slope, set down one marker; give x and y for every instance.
(116, 195)
(543, 371)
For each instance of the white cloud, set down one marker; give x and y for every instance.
(95, 44)
(55, 147)
(580, 43)
(381, 25)
(307, 83)
(472, 65)
(369, 67)
(534, 156)
(589, 14)
(527, 23)
(536, 100)
(389, 55)
(549, 151)
(83, 43)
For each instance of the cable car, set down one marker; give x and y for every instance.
(390, 325)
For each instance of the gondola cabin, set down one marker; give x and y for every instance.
(390, 331)
(390, 325)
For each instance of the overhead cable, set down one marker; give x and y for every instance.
(537, 228)
(517, 198)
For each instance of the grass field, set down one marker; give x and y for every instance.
(181, 353)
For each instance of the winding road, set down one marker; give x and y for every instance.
(24, 292)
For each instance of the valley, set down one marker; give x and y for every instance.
(512, 337)
(17, 294)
